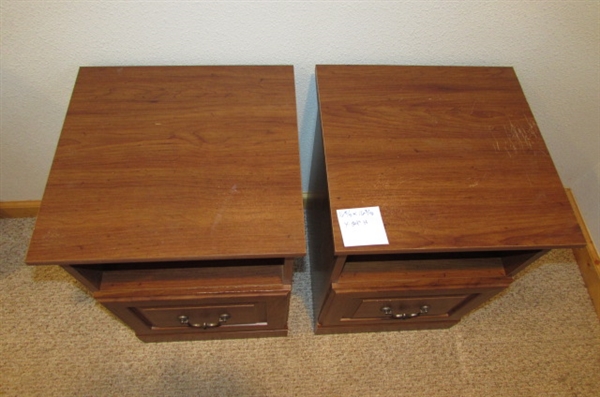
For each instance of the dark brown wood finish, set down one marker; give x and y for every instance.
(156, 319)
(174, 163)
(452, 155)
(467, 190)
(175, 191)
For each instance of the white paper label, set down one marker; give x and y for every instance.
(362, 226)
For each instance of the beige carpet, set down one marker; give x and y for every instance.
(539, 338)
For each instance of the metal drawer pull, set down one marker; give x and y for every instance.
(222, 319)
(404, 316)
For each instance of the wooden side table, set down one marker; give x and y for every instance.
(466, 187)
(175, 197)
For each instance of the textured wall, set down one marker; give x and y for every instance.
(553, 47)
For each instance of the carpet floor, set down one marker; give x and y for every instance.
(541, 337)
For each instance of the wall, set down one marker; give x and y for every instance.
(553, 46)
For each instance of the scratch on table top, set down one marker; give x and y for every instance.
(472, 107)
(519, 138)
(529, 179)
(224, 204)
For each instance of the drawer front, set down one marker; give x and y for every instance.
(207, 315)
(204, 316)
(400, 307)
(405, 308)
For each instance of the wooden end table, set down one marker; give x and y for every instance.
(466, 187)
(175, 198)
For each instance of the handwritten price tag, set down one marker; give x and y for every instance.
(362, 226)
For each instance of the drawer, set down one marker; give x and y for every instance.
(203, 316)
(399, 309)
(208, 317)
(406, 308)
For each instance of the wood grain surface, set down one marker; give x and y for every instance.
(174, 163)
(452, 156)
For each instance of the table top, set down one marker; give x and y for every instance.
(452, 156)
(174, 163)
